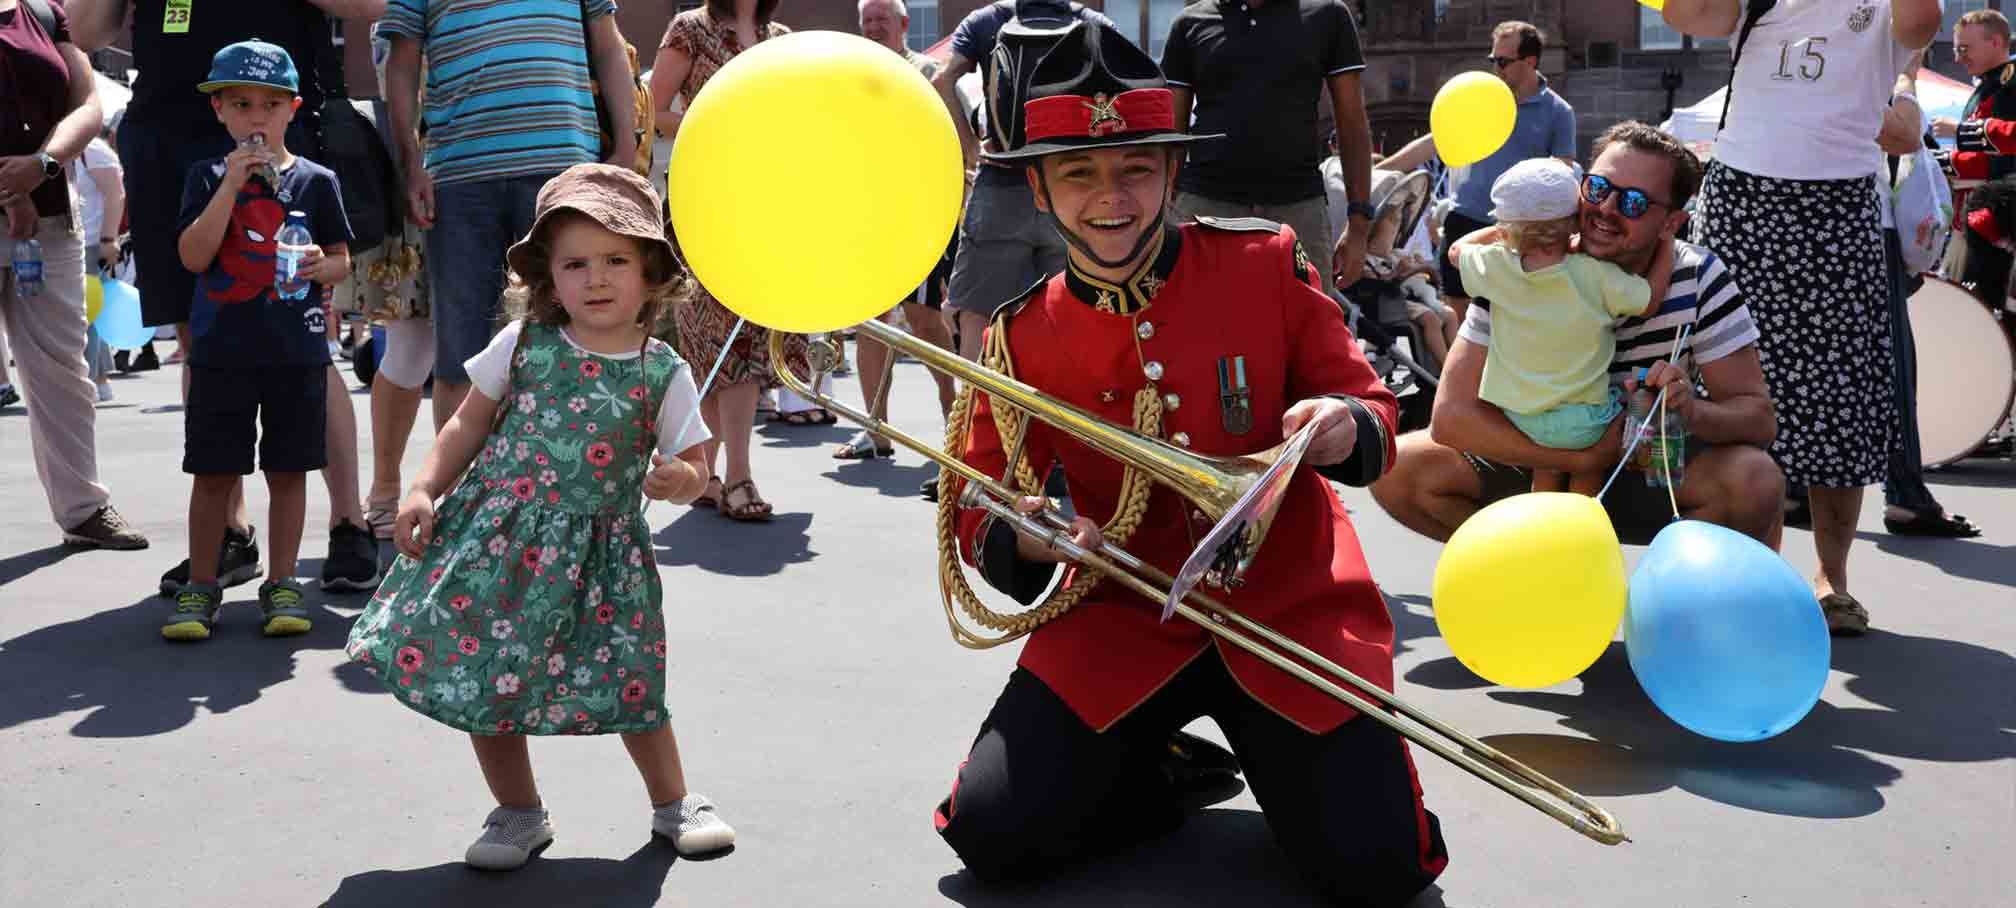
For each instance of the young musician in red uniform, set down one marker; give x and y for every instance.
(1214, 337)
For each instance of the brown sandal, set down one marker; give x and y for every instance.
(752, 508)
(705, 500)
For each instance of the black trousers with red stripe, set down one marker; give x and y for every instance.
(1041, 789)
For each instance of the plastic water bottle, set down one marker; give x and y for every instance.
(290, 248)
(1663, 450)
(27, 268)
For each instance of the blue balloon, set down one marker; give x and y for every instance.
(1724, 636)
(119, 323)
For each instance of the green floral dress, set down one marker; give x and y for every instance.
(536, 608)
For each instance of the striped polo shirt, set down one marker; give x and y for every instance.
(507, 84)
(1702, 293)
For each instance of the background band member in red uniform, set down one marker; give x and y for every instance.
(1985, 141)
(1214, 337)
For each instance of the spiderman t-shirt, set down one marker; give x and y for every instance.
(236, 318)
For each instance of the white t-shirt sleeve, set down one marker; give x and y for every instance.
(679, 423)
(490, 370)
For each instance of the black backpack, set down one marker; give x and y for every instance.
(1038, 26)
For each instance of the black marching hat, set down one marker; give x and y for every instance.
(1095, 89)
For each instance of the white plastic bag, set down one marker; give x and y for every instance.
(1922, 203)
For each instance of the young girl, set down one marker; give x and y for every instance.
(1552, 314)
(529, 604)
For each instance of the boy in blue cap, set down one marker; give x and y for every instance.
(256, 357)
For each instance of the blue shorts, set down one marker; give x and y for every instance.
(1570, 427)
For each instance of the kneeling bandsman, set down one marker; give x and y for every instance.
(1214, 337)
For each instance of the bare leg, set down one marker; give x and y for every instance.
(873, 364)
(1835, 513)
(1431, 337)
(286, 510)
(930, 328)
(447, 397)
(972, 326)
(1431, 489)
(1459, 306)
(1736, 486)
(209, 503)
(340, 475)
(656, 754)
(507, 769)
(393, 411)
(737, 405)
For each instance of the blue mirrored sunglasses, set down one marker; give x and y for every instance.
(1631, 203)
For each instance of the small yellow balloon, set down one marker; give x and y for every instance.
(1471, 118)
(1529, 591)
(1654, 4)
(814, 182)
(94, 299)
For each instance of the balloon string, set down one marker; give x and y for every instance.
(705, 386)
(1666, 458)
(1672, 360)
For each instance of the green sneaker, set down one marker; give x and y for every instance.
(196, 607)
(280, 600)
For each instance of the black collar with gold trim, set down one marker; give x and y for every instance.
(1136, 292)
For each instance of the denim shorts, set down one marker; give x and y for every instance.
(1570, 427)
(474, 223)
(1005, 244)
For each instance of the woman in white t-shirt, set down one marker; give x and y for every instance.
(1790, 203)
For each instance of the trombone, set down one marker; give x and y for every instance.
(1212, 485)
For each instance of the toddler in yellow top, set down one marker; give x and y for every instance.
(1552, 314)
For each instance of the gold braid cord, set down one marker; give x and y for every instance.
(1011, 424)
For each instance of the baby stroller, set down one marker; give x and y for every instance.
(1376, 307)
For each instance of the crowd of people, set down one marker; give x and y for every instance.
(1112, 201)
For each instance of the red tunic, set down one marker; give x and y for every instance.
(1232, 292)
(1995, 107)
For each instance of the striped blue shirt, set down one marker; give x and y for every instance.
(507, 84)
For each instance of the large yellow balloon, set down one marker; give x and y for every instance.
(1471, 118)
(94, 299)
(815, 181)
(1530, 590)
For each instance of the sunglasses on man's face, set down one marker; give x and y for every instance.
(1631, 203)
(1502, 62)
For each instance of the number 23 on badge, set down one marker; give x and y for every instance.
(175, 17)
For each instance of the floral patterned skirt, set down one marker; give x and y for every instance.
(703, 324)
(522, 618)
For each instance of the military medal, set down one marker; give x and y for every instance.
(1235, 401)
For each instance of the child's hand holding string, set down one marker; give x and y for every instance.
(673, 480)
(414, 527)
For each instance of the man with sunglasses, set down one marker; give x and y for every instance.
(1545, 128)
(1472, 455)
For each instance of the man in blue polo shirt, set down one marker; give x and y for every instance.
(1545, 127)
(507, 106)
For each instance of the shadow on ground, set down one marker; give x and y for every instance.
(888, 479)
(634, 882)
(1968, 559)
(128, 682)
(18, 566)
(702, 538)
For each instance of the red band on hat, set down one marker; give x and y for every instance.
(1080, 117)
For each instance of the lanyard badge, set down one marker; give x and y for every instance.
(1235, 401)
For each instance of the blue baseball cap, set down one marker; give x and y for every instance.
(255, 63)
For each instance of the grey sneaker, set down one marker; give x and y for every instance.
(105, 530)
(280, 600)
(511, 836)
(196, 607)
(693, 826)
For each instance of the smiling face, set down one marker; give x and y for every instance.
(1978, 49)
(598, 277)
(245, 110)
(1106, 197)
(1606, 233)
(882, 24)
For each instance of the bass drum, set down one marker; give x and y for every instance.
(1966, 371)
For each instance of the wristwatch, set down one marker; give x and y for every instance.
(1361, 209)
(51, 168)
